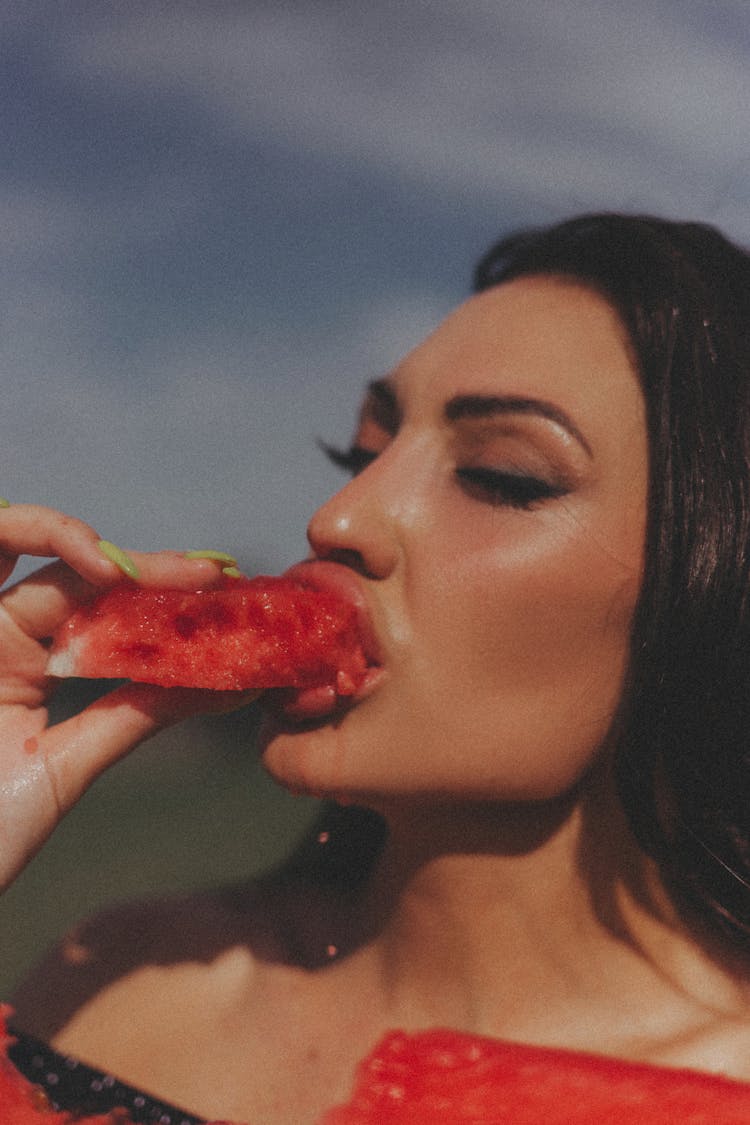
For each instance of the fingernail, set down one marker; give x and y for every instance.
(4, 503)
(118, 557)
(231, 572)
(217, 556)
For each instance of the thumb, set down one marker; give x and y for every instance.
(47, 770)
(77, 750)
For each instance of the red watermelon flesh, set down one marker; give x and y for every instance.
(459, 1078)
(242, 635)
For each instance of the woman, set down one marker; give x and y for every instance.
(547, 525)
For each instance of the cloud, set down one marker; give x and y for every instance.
(559, 102)
(216, 221)
(212, 436)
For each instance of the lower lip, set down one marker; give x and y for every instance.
(317, 704)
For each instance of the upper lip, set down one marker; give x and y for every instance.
(319, 574)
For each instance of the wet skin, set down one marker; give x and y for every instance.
(496, 522)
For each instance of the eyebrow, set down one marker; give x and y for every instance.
(485, 406)
(382, 393)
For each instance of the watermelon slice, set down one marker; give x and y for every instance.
(244, 634)
(459, 1078)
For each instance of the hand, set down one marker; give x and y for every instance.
(45, 769)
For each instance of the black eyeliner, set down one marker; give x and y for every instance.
(517, 490)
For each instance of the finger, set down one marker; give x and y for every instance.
(40, 603)
(45, 771)
(30, 529)
(175, 569)
(23, 666)
(77, 750)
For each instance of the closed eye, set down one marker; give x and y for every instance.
(512, 489)
(494, 486)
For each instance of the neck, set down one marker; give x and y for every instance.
(518, 921)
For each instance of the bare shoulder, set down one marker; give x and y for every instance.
(175, 997)
(726, 1050)
(163, 947)
(721, 1046)
(166, 952)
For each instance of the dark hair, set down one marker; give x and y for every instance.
(682, 292)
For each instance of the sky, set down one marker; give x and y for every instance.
(219, 220)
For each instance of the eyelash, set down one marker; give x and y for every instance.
(352, 460)
(516, 490)
(496, 486)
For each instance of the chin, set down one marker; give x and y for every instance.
(365, 754)
(303, 756)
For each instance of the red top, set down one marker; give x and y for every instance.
(421, 1079)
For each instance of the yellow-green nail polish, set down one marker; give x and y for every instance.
(118, 557)
(216, 556)
(231, 572)
(4, 503)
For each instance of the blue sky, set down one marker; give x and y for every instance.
(217, 220)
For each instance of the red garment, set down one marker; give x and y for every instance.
(459, 1079)
(449, 1076)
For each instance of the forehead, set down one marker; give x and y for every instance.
(535, 336)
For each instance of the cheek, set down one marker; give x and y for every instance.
(534, 646)
(505, 673)
(542, 595)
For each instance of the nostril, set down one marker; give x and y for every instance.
(346, 557)
(354, 528)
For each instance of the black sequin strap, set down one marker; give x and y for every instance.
(72, 1086)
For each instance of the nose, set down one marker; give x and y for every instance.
(355, 527)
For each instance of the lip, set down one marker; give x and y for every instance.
(302, 706)
(334, 578)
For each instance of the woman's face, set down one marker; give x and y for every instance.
(495, 524)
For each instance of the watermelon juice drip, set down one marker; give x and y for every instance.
(242, 635)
